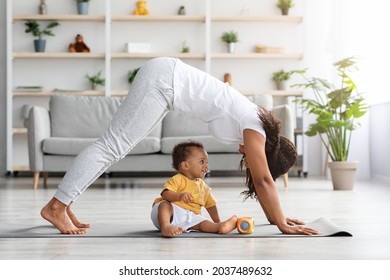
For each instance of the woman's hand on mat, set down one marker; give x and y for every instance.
(186, 197)
(293, 222)
(298, 229)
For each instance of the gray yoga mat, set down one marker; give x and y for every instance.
(324, 225)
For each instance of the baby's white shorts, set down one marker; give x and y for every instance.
(181, 217)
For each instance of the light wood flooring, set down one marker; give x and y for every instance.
(364, 212)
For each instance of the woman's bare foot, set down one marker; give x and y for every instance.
(228, 225)
(55, 212)
(75, 220)
(170, 230)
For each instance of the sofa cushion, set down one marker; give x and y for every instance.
(81, 116)
(73, 146)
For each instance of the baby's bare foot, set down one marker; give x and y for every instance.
(228, 225)
(168, 231)
(55, 212)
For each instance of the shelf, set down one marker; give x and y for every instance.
(50, 55)
(119, 92)
(57, 55)
(153, 55)
(150, 18)
(60, 17)
(273, 92)
(52, 92)
(287, 19)
(159, 18)
(256, 55)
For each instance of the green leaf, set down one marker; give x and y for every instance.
(336, 108)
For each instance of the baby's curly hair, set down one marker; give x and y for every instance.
(280, 152)
(182, 151)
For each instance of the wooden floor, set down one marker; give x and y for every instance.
(364, 212)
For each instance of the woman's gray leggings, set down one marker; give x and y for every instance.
(148, 101)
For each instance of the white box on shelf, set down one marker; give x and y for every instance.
(138, 47)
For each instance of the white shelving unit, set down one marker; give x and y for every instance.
(110, 55)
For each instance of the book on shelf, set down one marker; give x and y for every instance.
(28, 88)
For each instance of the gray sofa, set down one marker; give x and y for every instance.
(57, 134)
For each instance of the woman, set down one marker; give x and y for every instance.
(165, 84)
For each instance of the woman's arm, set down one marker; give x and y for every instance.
(265, 187)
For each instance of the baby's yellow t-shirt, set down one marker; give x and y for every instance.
(198, 188)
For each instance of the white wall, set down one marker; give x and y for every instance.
(379, 141)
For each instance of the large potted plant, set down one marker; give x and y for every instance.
(337, 112)
(230, 38)
(34, 27)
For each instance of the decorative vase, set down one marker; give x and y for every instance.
(43, 8)
(343, 174)
(39, 45)
(82, 8)
(231, 47)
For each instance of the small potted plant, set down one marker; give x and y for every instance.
(280, 78)
(34, 27)
(284, 6)
(230, 38)
(82, 6)
(181, 11)
(185, 48)
(337, 111)
(96, 80)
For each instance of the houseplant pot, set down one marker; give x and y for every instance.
(230, 39)
(39, 45)
(337, 111)
(343, 174)
(82, 7)
(231, 47)
(34, 27)
(284, 6)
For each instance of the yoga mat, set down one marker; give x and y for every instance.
(324, 225)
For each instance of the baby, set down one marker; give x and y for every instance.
(179, 208)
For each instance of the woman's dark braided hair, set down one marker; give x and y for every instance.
(280, 152)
